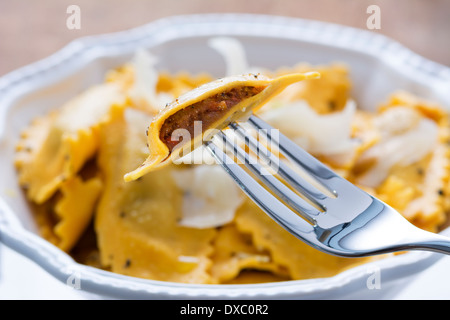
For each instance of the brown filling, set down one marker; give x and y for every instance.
(207, 111)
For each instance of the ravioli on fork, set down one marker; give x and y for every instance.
(195, 116)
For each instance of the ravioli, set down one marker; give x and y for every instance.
(136, 222)
(212, 106)
(75, 210)
(165, 225)
(68, 139)
(299, 259)
(64, 218)
(31, 141)
(235, 253)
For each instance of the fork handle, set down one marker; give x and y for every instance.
(432, 242)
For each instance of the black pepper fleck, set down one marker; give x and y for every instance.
(331, 105)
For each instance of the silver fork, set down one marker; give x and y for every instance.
(341, 219)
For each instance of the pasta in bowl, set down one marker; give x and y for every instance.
(35, 103)
(187, 222)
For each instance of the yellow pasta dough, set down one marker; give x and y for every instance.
(67, 141)
(136, 222)
(75, 210)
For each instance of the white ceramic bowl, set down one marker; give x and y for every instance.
(378, 67)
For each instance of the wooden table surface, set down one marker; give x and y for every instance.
(33, 29)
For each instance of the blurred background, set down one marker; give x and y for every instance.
(33, 29)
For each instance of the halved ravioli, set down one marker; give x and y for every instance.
(137, 222)
(198, 114)
(66, 140)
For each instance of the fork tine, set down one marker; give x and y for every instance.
(263, 198)
(308, 211)
(294, 179)
(296, 154)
